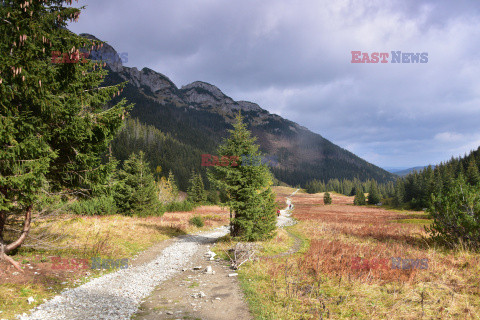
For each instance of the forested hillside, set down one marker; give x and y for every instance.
(199, 115)
(162, 150)
(416, 188)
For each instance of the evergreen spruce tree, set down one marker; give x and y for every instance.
(327, 199)
(373, 195)
(191, 186)
(250, 198)
(196, 190)
(201, 195)
(399, 196)
(136, 192)
(54, 122)
(472, 174)
(359, 199)
(213, 197)
(437, 182)
(173, 184)
(448, 178)
(353, 191)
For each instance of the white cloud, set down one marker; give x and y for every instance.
(449, 137)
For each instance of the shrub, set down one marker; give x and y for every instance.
(156, 209)
(102, 206)
(327, 199)
(179, 206)
(196, 221)
(456, 215)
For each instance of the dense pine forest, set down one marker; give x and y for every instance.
(415, 190)
(163, 152)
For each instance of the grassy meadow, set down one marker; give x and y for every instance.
(323, 282)
(335, 274)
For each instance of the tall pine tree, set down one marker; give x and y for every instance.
(54, 122)
(196, 190)
(248, 186)
(373, 194)
(173, 184)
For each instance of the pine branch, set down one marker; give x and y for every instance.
(98, 88)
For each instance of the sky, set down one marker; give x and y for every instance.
(294, 58)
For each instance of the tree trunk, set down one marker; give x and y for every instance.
(4, 249)
(231, 222)
(3, 219)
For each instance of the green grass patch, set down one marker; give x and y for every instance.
(197, 221)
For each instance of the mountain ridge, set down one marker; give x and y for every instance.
(407, 171)
(200, 113)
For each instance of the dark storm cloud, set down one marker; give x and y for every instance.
(293, 58)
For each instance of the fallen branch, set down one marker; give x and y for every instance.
(3, 256)
(241, 254)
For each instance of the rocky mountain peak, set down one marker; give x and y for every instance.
(106, 53)
(203, 93)
(249, 106)
(147, 77)
(204, 86)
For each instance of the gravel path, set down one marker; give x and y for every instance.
(117, 295)
(197, 294)
(284, 219)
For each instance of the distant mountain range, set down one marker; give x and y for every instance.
(394, 169)
(405, 172)
(199, 114)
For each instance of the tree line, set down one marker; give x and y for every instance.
(354, 187)
(416, 189)
(450, 193)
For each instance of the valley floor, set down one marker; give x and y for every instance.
(338, 261)
(362, 263)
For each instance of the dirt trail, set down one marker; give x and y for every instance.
(195, 294)
(285, 220)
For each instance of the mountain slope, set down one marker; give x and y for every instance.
(199, 115)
